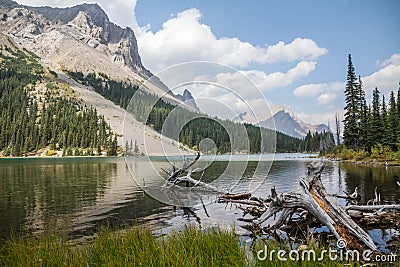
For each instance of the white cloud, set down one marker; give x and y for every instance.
(326, 98)
(184, 38)
(393, 60)
(323, 117)
(300, 48)
(324, 93)
(387, 78)
(280, 79)
(309, 90)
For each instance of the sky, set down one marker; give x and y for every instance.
(294, 51)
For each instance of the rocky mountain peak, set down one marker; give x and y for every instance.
(187, 95)
(65, 15)
(49, 29)
(188, 99)
(8, 3)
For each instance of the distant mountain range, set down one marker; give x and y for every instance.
(290, 124)
(83, 39)
(284, 121)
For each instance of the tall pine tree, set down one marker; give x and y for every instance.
(352, 109)
(376, 121)
(392, 123)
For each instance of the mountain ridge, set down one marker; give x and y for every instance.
(51, 32)
(287, 122)
(99, 45)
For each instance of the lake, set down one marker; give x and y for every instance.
(80, 195)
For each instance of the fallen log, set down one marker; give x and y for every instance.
(373, 207)
(236, 196)
(244, 202)
(186, 165)
(176, 178)
(312, 196)
(197, 183)
(352, 198)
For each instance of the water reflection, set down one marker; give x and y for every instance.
(367, 178)
(79, 195)
(74, 194)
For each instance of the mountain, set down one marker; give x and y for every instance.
(80, 39)
(53, 32)
(287, 122)
(187, 98)
(87, 56)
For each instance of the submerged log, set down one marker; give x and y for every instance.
(373, 207)
(176, 178)
(309, 202)
(236, 196)
(312, 196)
(186, 166)
(352, 198)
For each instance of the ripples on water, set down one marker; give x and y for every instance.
(80, 195)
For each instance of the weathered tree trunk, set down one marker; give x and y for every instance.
(313, 197)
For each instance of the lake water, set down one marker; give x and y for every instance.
(79, 195)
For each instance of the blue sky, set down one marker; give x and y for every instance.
(294, 51)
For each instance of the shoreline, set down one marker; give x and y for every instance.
(306, 155)
(366, 162)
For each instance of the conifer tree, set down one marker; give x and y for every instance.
(385, 128)
(363, 117)
(352, 109)
(136, 150)
(392, 123)
(338, 130)
(376, 121)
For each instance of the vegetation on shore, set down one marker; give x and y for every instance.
(378, 155)
(139, 247)
(371, 132)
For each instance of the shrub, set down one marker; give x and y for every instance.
(51, 152)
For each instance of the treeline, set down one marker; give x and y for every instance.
(29, 122)
(118, 92)
(148, 108)
(322, 142)
(370, 127)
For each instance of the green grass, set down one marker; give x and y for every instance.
(139, 247)
(130, 247)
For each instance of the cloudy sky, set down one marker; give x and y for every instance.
(294, 51)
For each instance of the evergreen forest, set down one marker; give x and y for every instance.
(371, 129)
(39, 112)
(32, 119)
(150, 109)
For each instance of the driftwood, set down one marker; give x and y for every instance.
(313, 197)
(178, 171)
(176, 178)
(376, 200)
(307, 205)
(352, 198)
(373, 207)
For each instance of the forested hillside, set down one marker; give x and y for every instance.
(38, 111)
(194, 131)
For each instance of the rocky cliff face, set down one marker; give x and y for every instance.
(53, 32)
(188, 99)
